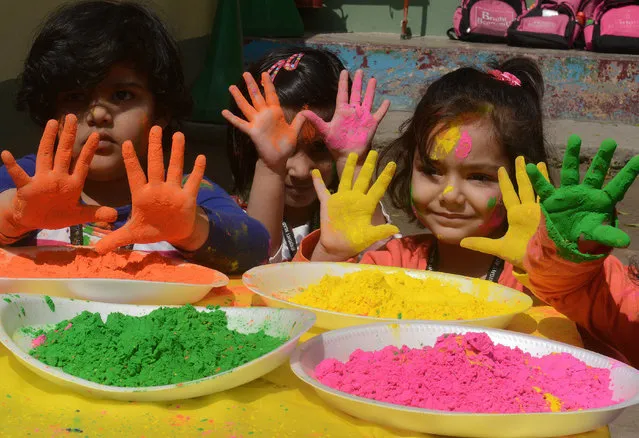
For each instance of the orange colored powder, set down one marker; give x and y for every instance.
(86, 263)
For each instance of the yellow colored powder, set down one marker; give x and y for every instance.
(448, 189)
(445, 142)
(397, 295)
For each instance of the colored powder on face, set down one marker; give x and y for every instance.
(464, 146)
(492, 202)
(167, 346)
(445, 142)
(86, 263)
(448, 189)
(470, 373)
(50, 303)
(373, 293)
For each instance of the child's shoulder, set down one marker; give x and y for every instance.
(413, 243)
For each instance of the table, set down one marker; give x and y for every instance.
(277, 404)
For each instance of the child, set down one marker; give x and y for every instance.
(273, 151)
(468, 125)
(568, 259)
(115, 70)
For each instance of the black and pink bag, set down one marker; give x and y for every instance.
(551, 24)
(614, 27)
(485, 21)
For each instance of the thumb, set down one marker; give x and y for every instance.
(316, 120)
(380, 232)
(482, 244)
(609, 236)
(118, 238)
(93, 213)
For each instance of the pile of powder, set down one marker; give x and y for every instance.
(470, 374)
(397, 295)
(86, 263)
(167, 346)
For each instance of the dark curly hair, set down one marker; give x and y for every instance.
(80, 42)
(514, 111)
(313, 85)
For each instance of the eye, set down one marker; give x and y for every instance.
(122, 95)
(428, 169)
(482, 177)
(73, 96)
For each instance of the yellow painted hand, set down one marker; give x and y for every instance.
(523, 217)
(346, 215)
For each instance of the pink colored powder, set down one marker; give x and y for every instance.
(464, 146)
(36, 342)
(470, 373)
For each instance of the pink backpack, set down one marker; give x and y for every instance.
(485, 21)
(551, 24)
(614, 27)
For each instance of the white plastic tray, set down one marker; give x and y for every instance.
(339, 344)
(277, 282)
(108, 290)
(278, 322)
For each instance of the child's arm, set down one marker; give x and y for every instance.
(590, 287)
(50, 199)
(345, 216)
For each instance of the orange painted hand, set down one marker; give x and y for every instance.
(523, 217)
(353, 125)
(51, 198)
(346, 215)
(162, 210)
(274, 138)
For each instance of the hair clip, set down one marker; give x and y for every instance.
(504, 76)
(289, 64)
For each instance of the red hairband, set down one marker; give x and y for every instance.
(504, 76)
(289, 64)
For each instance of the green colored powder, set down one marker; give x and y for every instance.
(7, 300)
(167, 346)
(50, 303)
(492, 202)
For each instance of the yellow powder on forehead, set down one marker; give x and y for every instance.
(397, 295)
(445, 142)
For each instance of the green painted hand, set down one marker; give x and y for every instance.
(575, 211)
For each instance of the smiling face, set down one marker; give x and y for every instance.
(455, 191)
(119, 108)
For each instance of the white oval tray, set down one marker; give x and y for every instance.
(277, 282)
(339, 344)
(32, 310)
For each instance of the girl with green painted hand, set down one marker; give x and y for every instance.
(568, 260)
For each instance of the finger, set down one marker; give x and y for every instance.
(18, 175)
(298, 123)
(600, 164)
(356, 89)
(482, 244)
(609, 236)
(155, 157)
(342, 89)
(192, 185)
(543, 169)
(44, 158)
(382, 110)
(82, 164)
(380, 232)
(543, 188)
(346, 181)
(90, 213)
(176, 163)
(105, 214)
(369, 95)
(269, 90)
(65, 145)
(620, 184)
(508, 194)
(254, 91)
(363, 181)
(234, 120)
(319, 123)
(320, 188)
(381, 184)
(241, 102)
(118, 238)
(570, 166)
(526, 192)
(134, 171)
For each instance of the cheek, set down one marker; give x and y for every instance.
(492, 210)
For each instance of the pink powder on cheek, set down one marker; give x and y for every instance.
(470, 373)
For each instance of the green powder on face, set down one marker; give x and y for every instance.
(50, 303)
(167, 346)
(492, 202)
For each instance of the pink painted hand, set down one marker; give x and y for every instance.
(162, 210)
(345, 216)
(51, 198)
(266, 125)
(353, 125)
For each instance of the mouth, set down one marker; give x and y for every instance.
(452, 216)
(299, 188)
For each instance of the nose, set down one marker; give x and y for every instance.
(98, 114)
(451, 192)
(299, 166)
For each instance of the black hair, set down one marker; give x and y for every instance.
(80, 42)
(515, 113)
(312, 85)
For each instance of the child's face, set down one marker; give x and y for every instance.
(456, 193)
(119, 108)
(311, 154)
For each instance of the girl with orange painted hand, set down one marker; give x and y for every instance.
(112, 89)
(300, 117)
(469, 124)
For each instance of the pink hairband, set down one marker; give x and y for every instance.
(289, 64)
(504, 76)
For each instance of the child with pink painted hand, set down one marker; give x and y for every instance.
(300, 117)
(469, 124)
